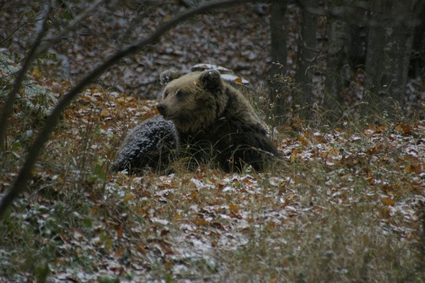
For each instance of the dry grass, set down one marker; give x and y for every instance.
(344, 206)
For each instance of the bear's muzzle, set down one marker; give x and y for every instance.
(162, 109)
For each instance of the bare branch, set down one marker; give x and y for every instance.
(37, 49)
(53, 118)
(8, 106)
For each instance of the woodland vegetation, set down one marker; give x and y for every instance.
(341, 85)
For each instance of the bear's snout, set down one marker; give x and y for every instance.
(161, 108)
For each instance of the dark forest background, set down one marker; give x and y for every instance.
(341, 55)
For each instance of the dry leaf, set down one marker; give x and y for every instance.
(388, 201)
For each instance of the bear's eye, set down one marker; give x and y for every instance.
(179, 93)
(165, 94)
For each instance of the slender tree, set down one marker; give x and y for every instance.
(388, 52)
(307, 54)
(279, 31)
(418, 57)
(337, 57)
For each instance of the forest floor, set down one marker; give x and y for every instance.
(347, 205)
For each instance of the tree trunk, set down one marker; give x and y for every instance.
(307, 46)
(418, 56)
(278, 29)
(388, 53)
(337, 57)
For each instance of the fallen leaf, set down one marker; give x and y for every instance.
(234, 208)
(388, 201)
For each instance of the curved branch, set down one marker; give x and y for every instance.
(52, 120)
(11, 97)
(37, 49)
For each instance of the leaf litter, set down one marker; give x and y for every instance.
(186, 223)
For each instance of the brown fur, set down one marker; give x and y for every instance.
(208, 112)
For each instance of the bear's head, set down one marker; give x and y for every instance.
(192, 101)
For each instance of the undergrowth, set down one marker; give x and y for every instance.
(344, 205)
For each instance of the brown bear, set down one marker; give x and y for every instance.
(214, 121)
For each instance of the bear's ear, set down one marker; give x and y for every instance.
(211, 79)
(168, 76)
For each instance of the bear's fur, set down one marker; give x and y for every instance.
(214, 121)
(151, 144)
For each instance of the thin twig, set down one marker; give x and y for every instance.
(49, 42)
(37, 49)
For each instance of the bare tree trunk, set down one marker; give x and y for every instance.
(278, 29)
(337, 57)
(417, 64)
(307, 54)
(356, 46)
(418, 67)
(388, 53)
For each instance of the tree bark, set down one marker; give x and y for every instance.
(388, 53)
(418, 64)
(307, 54)
(278, 54)
(337, 57)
